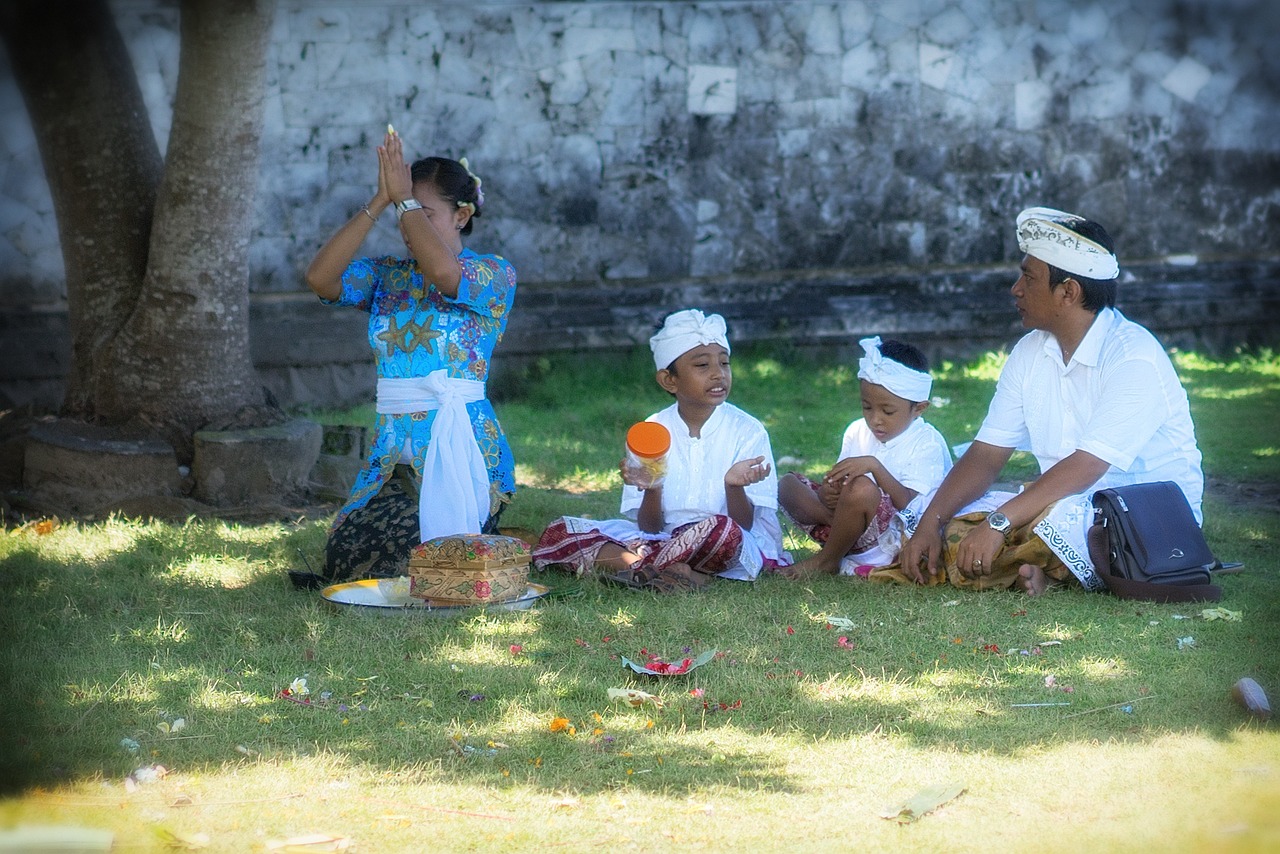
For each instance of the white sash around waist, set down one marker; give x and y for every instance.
(453, 472)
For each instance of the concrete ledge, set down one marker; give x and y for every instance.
(309, 354)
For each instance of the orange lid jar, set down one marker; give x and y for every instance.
(647, 446)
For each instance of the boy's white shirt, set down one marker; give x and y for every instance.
(694, 486)
(919, 458)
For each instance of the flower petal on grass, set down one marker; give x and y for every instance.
(655, 666)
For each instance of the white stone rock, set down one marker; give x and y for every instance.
(422, 24)
(1152, 100)
(346, 105)
(713, 90)
(822, 33)
(1108, 99)
(1186, 79)
(905, 13)
(568, 83)
(1250, 117)
(1087, 25)
(707, 33)
(624, 104)
(48, 266)
(855, 23)
(314, 23)
(935, 65)
(351, 63)
(1153, 63)
(1031, 100)
(904, 59)
(584, 41)
(949, 28)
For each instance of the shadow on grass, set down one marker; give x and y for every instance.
(199, 622)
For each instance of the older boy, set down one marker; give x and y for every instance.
(716, 511)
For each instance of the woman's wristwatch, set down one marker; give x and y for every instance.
(407, 205)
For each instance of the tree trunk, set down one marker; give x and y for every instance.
(101, 162)
(182, 358)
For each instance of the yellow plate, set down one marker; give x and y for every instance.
(368, 595)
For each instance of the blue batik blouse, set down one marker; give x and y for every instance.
(414, 330)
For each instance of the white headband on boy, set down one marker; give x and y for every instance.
(1043, 234)
(905, 382)
(684, 330)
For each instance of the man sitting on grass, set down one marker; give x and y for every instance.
(1095, 398)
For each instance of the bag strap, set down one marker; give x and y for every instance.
(1100, 553)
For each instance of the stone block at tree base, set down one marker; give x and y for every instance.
(256, 466)
(341, 458)
(87, 468)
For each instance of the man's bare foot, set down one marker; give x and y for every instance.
(1031, 580)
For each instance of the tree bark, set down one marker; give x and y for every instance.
(182, 358)
(100, 159)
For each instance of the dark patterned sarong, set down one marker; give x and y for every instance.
(375, 541)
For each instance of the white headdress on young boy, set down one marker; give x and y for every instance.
(906, 383)
(1044, 233)
(684, 330)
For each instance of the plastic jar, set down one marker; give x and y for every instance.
(647, 446)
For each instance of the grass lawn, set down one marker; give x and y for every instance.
(137, 650)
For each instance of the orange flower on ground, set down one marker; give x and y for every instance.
(559, 724)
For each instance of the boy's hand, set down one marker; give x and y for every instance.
(635, 476)
(747, 472)
(850, 467)
(829, 492)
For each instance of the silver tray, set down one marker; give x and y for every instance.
(367, 595)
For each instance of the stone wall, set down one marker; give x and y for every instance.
(657, 142)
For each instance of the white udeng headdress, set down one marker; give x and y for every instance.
(1042, 233)
(684, 330)
(906, 383)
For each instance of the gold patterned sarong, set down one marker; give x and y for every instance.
(1022, 546)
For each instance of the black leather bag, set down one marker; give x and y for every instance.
(1145, 544)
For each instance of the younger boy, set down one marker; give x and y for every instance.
(716, 511)
(888, 458)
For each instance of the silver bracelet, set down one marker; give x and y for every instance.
(364, 209)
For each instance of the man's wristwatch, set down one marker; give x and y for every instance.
(407, 205)
(999, 523)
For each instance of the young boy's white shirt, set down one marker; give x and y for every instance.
(918, 456)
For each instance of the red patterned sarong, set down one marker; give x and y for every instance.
(709, 546)
(877, 526)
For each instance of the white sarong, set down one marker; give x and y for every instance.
(453, 470)
(1065, 531)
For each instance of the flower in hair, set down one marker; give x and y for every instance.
(476, 178)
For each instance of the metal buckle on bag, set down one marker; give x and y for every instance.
(1120, 501)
